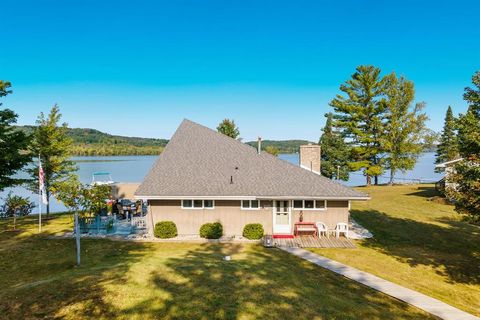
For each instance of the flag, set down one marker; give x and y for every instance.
(41, 182)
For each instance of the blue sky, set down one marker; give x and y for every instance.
(139, 67)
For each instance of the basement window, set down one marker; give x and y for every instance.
(309, 204)
(250, 204)
(198, 204)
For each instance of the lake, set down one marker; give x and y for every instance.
(134, 169)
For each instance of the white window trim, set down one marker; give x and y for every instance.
(310, 209)
(250, 205)
(197, 208)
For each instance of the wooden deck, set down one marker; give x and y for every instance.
(314, 242)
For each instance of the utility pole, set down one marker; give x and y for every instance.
(338, 172)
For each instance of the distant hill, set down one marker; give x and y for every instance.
(284, 146)
(91, 142)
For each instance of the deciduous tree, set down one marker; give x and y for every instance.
(334, 152)
(401, 140)
(51, 143)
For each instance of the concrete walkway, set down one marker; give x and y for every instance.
(421, 301)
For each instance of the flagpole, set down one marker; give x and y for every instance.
(39, 196)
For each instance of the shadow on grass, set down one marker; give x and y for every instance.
(267, 284)
(454, 250)
(426, 192)
(39, 280)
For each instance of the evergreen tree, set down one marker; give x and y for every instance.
(467, 172)
(448, 147)
(334, 152)
(360, 114)
(52, 144)
(228, 128)
(13, 144)
(404, 126)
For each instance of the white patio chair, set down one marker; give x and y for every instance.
(341, 228)
(321, 228)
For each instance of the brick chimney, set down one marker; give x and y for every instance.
(310, 157)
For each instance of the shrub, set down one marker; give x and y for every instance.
(211, 230)
(165, 230)
(253, 231)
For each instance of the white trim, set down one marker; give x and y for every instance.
(309, 169)
(314, 205)
(197, 208)
(250, 205)
(289, 231)
(349, 205)
(142, 197)
(311, 198)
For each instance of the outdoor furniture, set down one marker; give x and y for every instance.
(341, 228)
(321, 228)
(305, 227)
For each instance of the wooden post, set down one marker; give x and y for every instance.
(77, 236)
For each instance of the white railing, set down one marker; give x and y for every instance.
(139, 222)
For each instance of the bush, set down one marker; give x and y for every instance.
(165, 230)
(211, 230)
(253, 231)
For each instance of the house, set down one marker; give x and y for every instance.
(204, 176)
(449, 169)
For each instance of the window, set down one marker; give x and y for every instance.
(208, 204)
(250, 204)
(310, 204)
(321, 204)
(298, 204)
(198, 204)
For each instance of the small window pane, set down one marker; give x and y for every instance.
(254, 204)
(197, 203)
(245, 204)
(208, 203)
(187, 203)
(309, 204)
(320, 204)
(298, 204)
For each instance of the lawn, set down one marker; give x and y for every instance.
(417, 243)
(130, 280)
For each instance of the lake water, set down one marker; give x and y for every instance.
(134, 169)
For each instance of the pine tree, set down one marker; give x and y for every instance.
(359, 114)
(13, 144)
(404, 126)
(448, 147)
(335, 152)
(51, 143)
(228, 128)
(467, 172)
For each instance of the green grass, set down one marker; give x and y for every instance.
(417, 243)
(130, 280)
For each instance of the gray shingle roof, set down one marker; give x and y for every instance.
(200, 162)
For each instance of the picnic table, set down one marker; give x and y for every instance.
(305, 227)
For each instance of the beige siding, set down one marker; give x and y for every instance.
(337, 211)
(233, 219)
